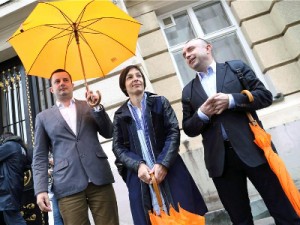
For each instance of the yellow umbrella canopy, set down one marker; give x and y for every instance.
(86, 38)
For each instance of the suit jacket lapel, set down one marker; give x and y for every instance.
(198, 89)
(220, 76)
(79, 108)
(60, 118)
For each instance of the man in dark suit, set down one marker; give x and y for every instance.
(214, 107)
(82, 176)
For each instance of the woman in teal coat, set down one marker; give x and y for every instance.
(146, 140)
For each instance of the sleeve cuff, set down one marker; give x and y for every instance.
(231, 102)
(202, 116)
(98, 108)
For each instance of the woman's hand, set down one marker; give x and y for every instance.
(160, 172)
(144, 173)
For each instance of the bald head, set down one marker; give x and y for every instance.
(198, 54)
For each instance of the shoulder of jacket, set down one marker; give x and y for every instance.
(46, 111)
(188, 86)
(153, 99)
(122, 108)
(156, 97)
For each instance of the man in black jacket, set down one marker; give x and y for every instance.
(13, 159)
(214, 107)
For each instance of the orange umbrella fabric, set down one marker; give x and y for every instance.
(88, 38)
(263, 140)
(182, 217)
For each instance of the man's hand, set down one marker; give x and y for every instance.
(215, 104)
(160, 172)
(220, 102)
(144, 173)
(208, 107)
(42, 199)
(93, 99)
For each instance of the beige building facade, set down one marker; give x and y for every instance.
(265, 34)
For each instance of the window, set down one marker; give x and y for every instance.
(212, 21)
(2, 2)
(21, 98)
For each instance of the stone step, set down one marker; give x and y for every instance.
(260, 214)
(265, 221)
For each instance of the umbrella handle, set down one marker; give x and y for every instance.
(157, 192)
(251, 99)
(248, 94)
(92, 103)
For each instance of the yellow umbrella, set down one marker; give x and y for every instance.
(263, 140)
(86, 38)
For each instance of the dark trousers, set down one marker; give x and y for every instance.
(233, 192)
(12, 217)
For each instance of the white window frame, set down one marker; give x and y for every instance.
(234, 28)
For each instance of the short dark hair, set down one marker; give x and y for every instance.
(122, 78)
(58, 71)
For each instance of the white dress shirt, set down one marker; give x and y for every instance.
(69, 114)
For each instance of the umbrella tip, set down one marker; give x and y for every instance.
(21, 28)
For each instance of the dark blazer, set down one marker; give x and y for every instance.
(78, 157)
(234, 121)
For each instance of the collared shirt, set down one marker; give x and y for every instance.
(208, 79)
(69, 114)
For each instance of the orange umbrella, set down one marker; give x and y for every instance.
(263, 140)
(182, 217)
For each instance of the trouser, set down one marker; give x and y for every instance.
(100, 199)
(232, 190)
(12, 217)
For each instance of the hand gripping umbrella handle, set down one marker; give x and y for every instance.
(251, 99)
(157, 192)
(91, 102)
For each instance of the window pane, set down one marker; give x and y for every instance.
(212, 18)
(186, 73)
(182, 31)
(228, 48)
(224, 48)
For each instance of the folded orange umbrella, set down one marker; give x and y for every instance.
(182, 217)
(263, 140)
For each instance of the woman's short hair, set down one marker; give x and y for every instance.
(122, 78)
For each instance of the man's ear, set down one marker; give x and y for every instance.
(209, 47)
(51, 90)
